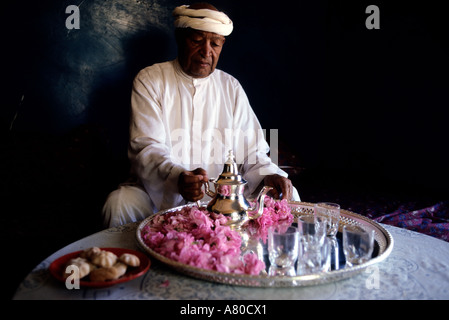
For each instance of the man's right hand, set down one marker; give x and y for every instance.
(190, 184)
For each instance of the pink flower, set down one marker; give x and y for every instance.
(229, 262)
(200, 218)
(253, 265)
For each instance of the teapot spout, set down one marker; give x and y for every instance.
(259, 205)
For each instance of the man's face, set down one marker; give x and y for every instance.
(199, 53)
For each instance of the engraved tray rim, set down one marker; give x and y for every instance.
(382, 237)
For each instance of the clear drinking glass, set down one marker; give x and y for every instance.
(331, 211)
(283, 246)
(314, 258)
(358, 244)
(314, 247)
(312, 229)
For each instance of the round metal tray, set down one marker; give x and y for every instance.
(383, 242)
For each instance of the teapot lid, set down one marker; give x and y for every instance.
(230, 174)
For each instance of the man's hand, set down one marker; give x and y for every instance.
(190, 184)
(282, 187)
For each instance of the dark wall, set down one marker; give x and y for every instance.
(367, 102)
(386, 91)
(73, 77)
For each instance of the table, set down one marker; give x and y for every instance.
(417, 268)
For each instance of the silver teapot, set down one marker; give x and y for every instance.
(228, 198)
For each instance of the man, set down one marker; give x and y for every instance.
(185, 117)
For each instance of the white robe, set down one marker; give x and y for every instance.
(179, 122)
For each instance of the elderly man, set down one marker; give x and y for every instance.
(185, 117)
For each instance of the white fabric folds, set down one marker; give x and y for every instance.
(203, 19)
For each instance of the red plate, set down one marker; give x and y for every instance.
(57, 268)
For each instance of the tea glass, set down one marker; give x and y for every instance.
(314, 247)
(283, 242)
(314, 258)
(331, 211)
(312, 229)
(358, 244)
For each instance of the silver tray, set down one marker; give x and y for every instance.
(383, 240)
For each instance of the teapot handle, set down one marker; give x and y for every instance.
(207, 189)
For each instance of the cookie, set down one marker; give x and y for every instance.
(130, 259)
(104, 259)
(108, 273)
(84, 267)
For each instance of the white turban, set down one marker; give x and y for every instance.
(203, 20)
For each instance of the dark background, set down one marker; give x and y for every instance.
(359, 112)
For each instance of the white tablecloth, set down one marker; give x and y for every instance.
(417, 268)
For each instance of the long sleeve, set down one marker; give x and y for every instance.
(149, 148)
